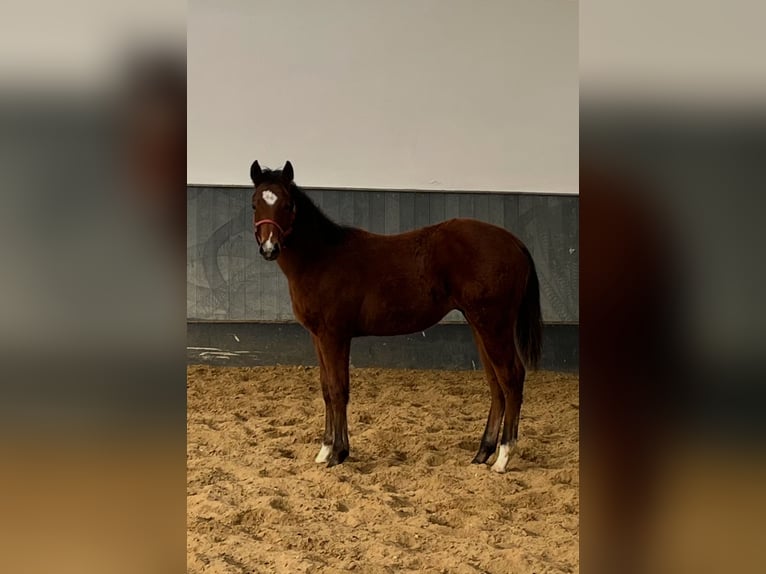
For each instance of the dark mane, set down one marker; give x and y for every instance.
(307, 213)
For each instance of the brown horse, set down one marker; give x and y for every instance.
(346, 283)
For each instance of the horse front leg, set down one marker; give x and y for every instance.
(335, 354)
(327, 438)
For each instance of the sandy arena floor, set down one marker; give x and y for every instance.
(406, 500)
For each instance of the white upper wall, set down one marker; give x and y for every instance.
(403, 94)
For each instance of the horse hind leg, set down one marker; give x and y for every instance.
(512, 382)
(497, 340)
(488, 442)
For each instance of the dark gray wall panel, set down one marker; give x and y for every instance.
(481, 207)
(377, 212)
(228, 281)
(549, 225)
(422, 210)
(392, 213)
(437, 207)
(465, 205)
(406, 212)
(346, 215)
(442, 347)
(451, 206)
(361, 210)
(496, 214)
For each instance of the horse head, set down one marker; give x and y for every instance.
(273, 208)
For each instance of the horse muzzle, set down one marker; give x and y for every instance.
(269, 250)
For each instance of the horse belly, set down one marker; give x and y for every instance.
(384, 316)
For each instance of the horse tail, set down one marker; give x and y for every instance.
(529, 323)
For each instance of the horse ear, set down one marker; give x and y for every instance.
(287, 173)
(255, 172)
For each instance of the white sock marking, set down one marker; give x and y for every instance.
(324, 453)
(269, 197)
(503, 456)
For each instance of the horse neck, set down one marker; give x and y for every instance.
(309, 243)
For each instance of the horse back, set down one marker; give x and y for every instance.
(393, 284)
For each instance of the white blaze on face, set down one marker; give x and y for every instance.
(324, 453)
(269, 197)
(503, 456)
(268, 245)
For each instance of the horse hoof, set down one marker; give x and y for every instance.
(324, 453)
(480, 458)
(502, 457)
(337, 458)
